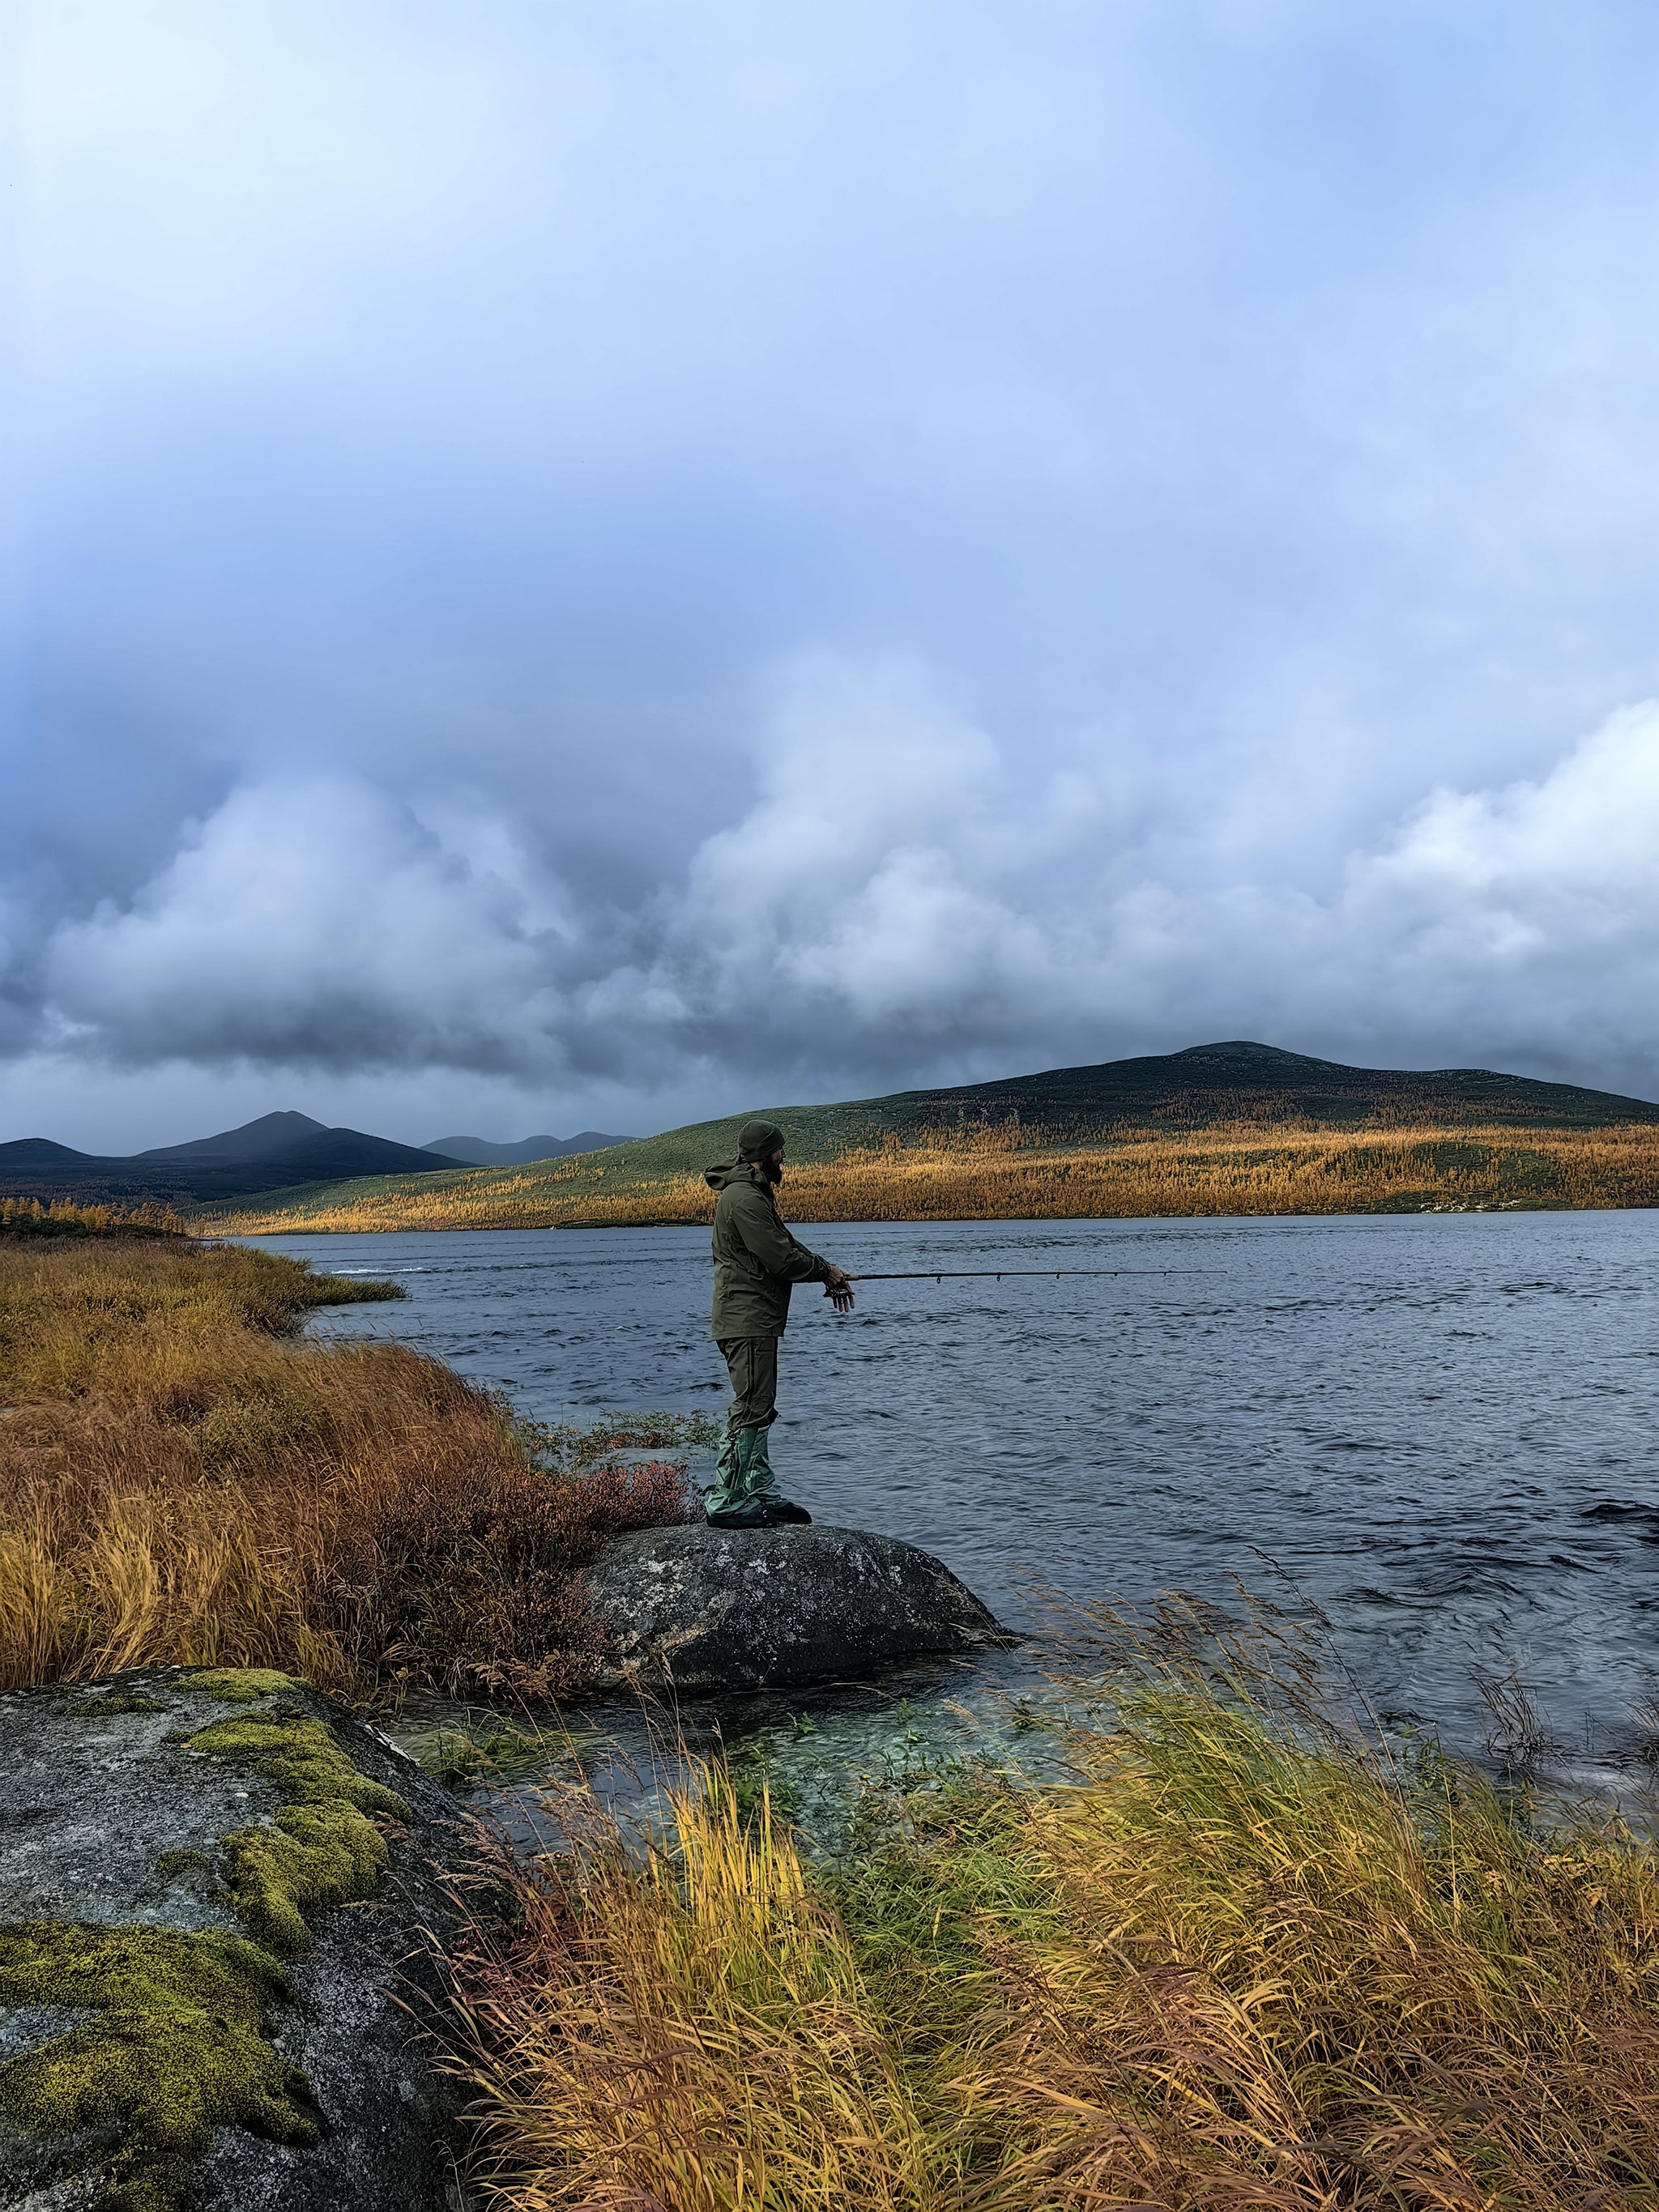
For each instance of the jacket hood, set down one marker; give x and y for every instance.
(735, 1171)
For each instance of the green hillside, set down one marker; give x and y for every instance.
(1164, 1093)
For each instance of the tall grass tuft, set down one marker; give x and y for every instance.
(1279, 1971)
(693, 2035)
(182, 1480)
(1238, 1959)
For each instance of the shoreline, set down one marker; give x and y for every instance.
(303, 1227)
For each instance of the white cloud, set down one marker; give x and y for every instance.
(1529, 916)
(1572, 857)
(433, 416)
(319, 925)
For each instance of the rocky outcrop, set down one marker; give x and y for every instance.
(213, 1889)
(710, 1610)
(216, 1886)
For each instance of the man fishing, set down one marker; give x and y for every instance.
(757, 1263)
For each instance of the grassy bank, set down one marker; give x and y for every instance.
(1240, 1960)
(183, 1478)
(1026, 1174)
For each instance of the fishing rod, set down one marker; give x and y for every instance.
(953, 1274)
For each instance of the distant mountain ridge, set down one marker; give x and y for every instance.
(479, 1152)
(1235, 1082)
(268, 1138)
(278, 1152)
(1164, 1093)
(1240, 1080)
(1229, 1086)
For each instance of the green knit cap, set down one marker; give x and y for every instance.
(757, 1138)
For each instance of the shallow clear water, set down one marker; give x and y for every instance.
(1441, 1427)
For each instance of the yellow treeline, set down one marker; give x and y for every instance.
(1010, 1174)
(27, 1216)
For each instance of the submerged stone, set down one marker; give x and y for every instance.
(709, 1610)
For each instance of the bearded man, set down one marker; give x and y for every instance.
(757, 1264)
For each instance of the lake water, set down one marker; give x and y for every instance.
(1441, 1428)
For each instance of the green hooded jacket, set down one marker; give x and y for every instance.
(756, 1260)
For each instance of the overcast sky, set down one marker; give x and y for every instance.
(586, 565)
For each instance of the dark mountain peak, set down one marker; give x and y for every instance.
(375, 1155)
(22, 1150)
(1242, 1057)
(268, 1138)
(1238, 1078)
(1240, 1054)
(277, 1152)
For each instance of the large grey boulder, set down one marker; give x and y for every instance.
(213, 1890)
(707, 1609)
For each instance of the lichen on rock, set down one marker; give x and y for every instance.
(177, 2045)
(157, 1872)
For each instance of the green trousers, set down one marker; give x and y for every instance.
(743, 1471)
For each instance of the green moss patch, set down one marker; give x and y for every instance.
(240, 1685)
(298, 1752)
(314, 1857)
(169, 1864)
(178, 2047)
(113, 1702)
(322, 1850)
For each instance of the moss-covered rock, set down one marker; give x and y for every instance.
(114, 1703)
(185, 2018)
(321, 1849)
(176, 2044)
(174, 1863)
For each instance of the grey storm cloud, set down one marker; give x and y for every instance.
(613, 552)
(894, 897)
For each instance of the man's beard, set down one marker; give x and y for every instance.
(772, 1169)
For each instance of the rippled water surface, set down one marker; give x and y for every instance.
(1442, 1427)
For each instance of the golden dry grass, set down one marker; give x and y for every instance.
(1022, 1174)
(1239, 1961)
(182, 1482)
(694, 2037)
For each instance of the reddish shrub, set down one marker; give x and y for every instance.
(470, 1577)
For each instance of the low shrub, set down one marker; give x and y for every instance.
(979, 1174)
(61, 1217)
(468, 1576)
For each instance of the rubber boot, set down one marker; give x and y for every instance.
(726, 1502)
(745, 1493)
(734, 1502)
(754, 1458)
(721, 1495)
